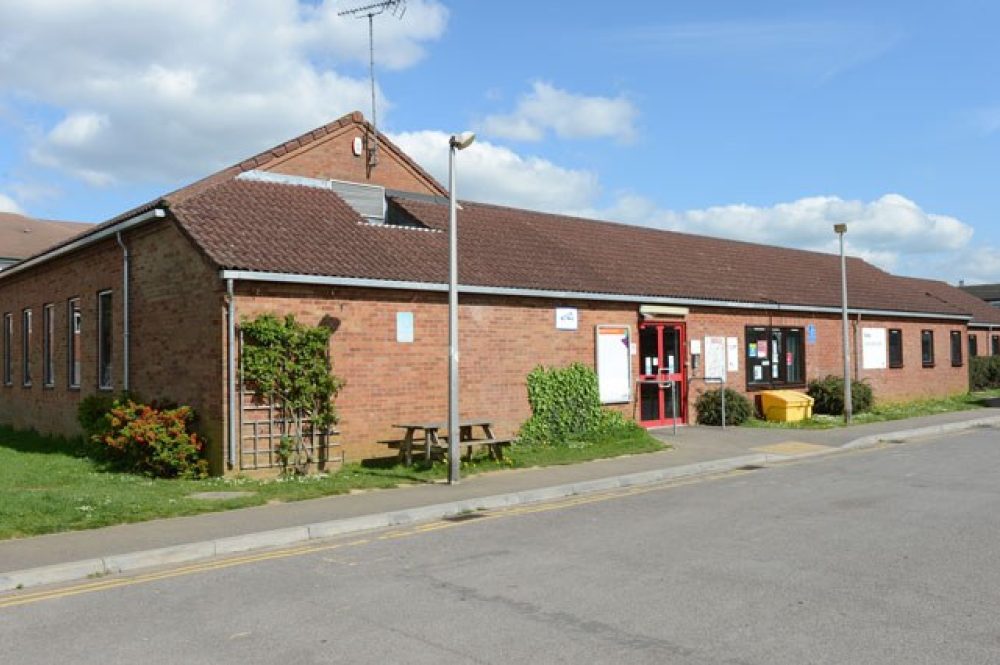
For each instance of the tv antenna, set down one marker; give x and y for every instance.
(395, 8)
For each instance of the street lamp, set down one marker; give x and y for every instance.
(455, 143)
(840, 230)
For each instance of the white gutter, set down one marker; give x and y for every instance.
(288, 278)
(231, 343)
(112, 230)
(125, 311)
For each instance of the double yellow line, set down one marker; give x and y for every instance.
(284, 553)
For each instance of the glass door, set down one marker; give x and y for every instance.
(662, 388)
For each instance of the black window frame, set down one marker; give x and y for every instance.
(895, 349)
(26, 325)
(956, 348)
(927, 348)
(973, 346)
(8, 349)
(752, 334)
(74, 329)
(105, 340)
(996, 345)
(48, 347)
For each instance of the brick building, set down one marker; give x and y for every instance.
(22, 236)
(151, 301)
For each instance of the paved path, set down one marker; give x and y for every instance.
(696, 450)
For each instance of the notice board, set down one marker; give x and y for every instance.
(715, 358)
(873, 348)
(614, 364)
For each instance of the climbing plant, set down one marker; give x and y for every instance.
(287, 363)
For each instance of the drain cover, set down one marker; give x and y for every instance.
(749, 467)
(464, 517)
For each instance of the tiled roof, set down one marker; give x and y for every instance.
(268, 227)
(982, 312)
(22, 236)
(988, 292)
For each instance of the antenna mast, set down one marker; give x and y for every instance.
(396, 8)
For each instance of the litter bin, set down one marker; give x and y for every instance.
(786, 405)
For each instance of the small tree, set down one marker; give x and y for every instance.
(287, 363)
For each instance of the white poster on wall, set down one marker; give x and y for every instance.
(614, 364)
(566, 318)
(873, 348)
(732, 354)
(715, 358)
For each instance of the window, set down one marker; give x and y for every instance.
(996, 345)
(104, 342)
(74, 320)
(48, 334)
(26, 347)
(895, 347)
(927, 347)
(956, 348)
(973, 346)
(8, 340)
(775, 357)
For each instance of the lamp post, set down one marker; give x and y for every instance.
(840, 230)
(455, 143)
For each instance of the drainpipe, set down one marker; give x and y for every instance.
(125, 311)
(231, 343)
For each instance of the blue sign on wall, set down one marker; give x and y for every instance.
(811, 333)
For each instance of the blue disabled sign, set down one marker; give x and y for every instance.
(811, 333)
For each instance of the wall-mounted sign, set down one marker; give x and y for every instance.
(811, 333)
(404, 327)
(732, 354)
(873, 348)
(715, 358)
(567, 318)
(614, 364)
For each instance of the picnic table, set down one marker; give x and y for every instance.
(432, 440)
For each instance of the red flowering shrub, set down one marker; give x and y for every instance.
(153, 441)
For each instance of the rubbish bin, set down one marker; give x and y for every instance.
(786, 405)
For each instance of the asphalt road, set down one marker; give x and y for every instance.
(884, 556)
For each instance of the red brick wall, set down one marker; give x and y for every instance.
(333, 157)
(176, 330)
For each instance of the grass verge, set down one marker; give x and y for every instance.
(49, 484)
(891, 411)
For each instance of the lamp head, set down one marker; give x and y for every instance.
(462, 141)
(840, 228)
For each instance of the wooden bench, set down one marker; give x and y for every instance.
(494, 445)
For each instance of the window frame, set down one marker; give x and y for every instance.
(956, 349)
(26, 324)
(105, 342)
(973, 346)
(995, 348)
(8, 348)
(752, 333)
(48, 348)
(74, 366)
(927, 348)
(896, 363)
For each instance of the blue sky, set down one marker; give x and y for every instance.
(764, 121)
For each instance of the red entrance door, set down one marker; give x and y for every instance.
(662, 388)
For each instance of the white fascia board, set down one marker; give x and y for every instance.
(124, 225)
(287, 278)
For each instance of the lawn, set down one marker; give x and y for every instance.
(49, 484)
(892, 411)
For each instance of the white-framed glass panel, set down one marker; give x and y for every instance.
(26, 347)
(8, 341)
(48, 347)
(104, 340)
(73, 347)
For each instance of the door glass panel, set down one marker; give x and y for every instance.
(793, 357)
(649, 401)
(648, 351)
(671, 349)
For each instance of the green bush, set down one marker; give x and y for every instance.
(157, 442)
(92, 409)
(566, 406)
(984, 372)
(828, 394)
(709, 407)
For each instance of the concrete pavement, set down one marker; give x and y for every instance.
(697, 451)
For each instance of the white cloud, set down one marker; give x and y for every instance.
(568, 115)
(170, 89)
(8, 204)
(494, 174)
